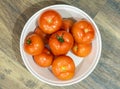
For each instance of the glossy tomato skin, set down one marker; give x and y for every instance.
(67, 24)
(82, 50)
(50, 21)
(43, 35)
(40, 32)
(44, 59)
(61, 42)
(63, 67)
(83, 32)
(33, 44)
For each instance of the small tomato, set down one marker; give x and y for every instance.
(44, 59)
(40, 32)
(33, 44)
(82, 50)
(67, 24)
(44, 36)
(83, 32)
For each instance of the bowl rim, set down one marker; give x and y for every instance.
(90, 70)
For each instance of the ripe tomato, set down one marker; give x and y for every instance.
(60, 42)
(44, 36)
(82, 50)
(44, 59)
(50, 21)
(40, 32)
(83, 32)
(33, 44)
(63, 67)
(67, 24)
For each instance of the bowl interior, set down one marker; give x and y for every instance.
(84, 66)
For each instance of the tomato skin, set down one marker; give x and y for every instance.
(33, 44)
(40, 32)
(83, 32)
(61, 42)
(43, 35)
(67, 24)
(50, 21)
(44, 59)
(82, 50)
(63, 67)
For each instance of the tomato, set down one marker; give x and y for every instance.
(44, 59)
(50, 21)
(83, 32)
(33, 44)
(67, 24)
(82, 50)
(40, 32)
(44, 36)
(63, 67)
(60, 42)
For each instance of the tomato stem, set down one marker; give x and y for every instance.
(28, 41)
(60, 38)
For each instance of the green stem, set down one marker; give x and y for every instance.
(60, 38)
(28, 41)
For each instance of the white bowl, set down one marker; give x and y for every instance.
(84, 66)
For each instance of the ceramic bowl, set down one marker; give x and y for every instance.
(84, 66)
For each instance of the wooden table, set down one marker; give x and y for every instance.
(15, 13)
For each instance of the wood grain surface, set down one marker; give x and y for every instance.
(15, 13)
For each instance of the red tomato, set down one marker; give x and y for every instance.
(67, 24)
(61, 42)
(82, 50)
(33, 44)
(44, 36)
(63, 67)
(40, 32)
(44, 59)
(50, 21)
(83, 32)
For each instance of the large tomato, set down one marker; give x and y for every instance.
(63, 67)
(50, 21)
(61, 42)
(44, 59)
(82, 50)
(83, 32)
(33, 44)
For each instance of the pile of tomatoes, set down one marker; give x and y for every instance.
(54, 37)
